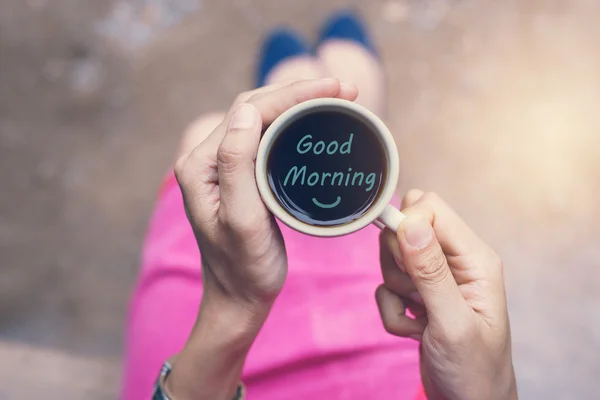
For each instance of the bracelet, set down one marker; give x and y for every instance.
(161, 394)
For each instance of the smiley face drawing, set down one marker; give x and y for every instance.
(333, 205)
(326, 168)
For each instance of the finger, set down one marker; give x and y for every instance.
(213, 127)
(454, 235)
(245, 96)
(202, 127)
(415, 309)
(426, 264)
(220, 126)
(395, 280)
(410, 198)
(198, 167)
(238, 194)
(271, 101)
(391, 263)
(303, 67)
(392, 312)
(346, 91)
(272, 104)
(388, 246)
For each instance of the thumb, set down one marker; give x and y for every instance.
(426, 264)
(235, 164)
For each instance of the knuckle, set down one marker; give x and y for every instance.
(254, 97)
(431, 198)
(243, 97)
(389, 326)
(182, 171)
(413, 195)
(179, 167)
(288, 82)
(191, 169)
(393, 325)
(197, 158)
(432, 268)
(297, 91)
(389, 311)
(297, 83)
(410, 198)
(227, 157)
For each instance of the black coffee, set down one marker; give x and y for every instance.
(327, 168)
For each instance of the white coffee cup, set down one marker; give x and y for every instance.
(381, 212)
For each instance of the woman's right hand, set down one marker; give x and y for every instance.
(452, 282)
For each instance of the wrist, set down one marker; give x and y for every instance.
(503, 386)
(510, 384)
(227, 321)
(210, 364)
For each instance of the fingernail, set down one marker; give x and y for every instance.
(416, 337)
(244, 117)
(416, 297)
(418, 232)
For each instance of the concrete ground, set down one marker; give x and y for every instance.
(493, 105)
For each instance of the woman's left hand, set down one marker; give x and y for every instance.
(244, 264)
(243, 255)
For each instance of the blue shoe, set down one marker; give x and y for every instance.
(347, 25)
(279, 45)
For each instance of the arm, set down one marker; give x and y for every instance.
(452, 282)
(244, 264)
(210, 365)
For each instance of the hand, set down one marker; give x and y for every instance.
(452, 282)
(242, 248)
(244, 263)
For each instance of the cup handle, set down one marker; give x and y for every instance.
(390, 218)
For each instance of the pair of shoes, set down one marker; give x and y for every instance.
(282, 44)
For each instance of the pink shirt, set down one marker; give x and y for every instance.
(323, 340)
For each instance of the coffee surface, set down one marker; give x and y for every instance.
(327, 168)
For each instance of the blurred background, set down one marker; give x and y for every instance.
(495, 105)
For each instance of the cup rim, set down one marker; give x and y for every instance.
(291, 115)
